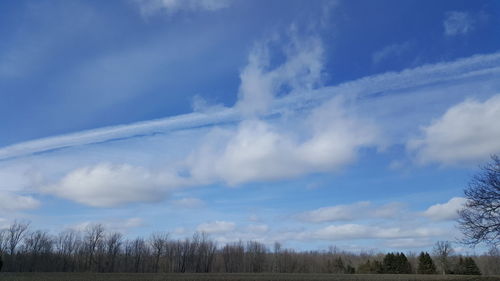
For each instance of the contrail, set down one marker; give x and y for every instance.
(477, 67)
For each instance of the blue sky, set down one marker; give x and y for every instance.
(312, 123)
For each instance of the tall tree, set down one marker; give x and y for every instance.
(442, 250)
(15, 233)
(158, 242)
(470, 267)
(479, 220)
(425, 264)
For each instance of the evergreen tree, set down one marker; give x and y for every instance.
(349, 269)
(389, 263)
(470, 267)
(365, 268)
(377, 267)
(370, 267)
(425, 264)
(459, 268)
(396, 264)
(403, 265)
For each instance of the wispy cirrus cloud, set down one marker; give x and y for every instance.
(391, 51)
(216, 227)
(152, 7)
(349, 212)
(458, 23)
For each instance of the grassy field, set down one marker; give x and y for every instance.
(229, 277)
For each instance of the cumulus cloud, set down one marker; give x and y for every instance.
(290, 144)
(14, 202)
(216, 227)
(106, 185)
(356, 211)
(466, 133)
(445, 211)
(458, 23)
(260, 150)
(151, 7)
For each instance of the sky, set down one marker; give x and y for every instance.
(310, 123)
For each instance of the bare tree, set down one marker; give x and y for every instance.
(67, 244)
(113, 243)
(158, 242)
(14, 235)
(442, 251)
(37, 247)
(480, 218)
(3, 241)
(233, 256)
(93, 236)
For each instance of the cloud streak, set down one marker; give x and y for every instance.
(357, 211)
(480, 67)
(152, 7)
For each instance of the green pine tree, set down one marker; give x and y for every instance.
(470, 267)
(403, 265)
(365, 268)
(349, 269)
(425, 264)
(390, 263)
(459, 267)
(377, 267)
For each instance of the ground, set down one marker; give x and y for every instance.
(232, 277)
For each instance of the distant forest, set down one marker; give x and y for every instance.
(97, 250)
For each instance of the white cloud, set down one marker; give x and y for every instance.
(458, 23)
(151, 7)
(466, 133)
(119, 225)
(14, 202)
(479, 67)
(260, 150)
(445, 211)
(106, 185)
(358, 231)
(408, 243)
(304, 130)
(261, 81)
(335, 213)
(356, 211)
(216, 227)
(189, 202)
(394, 50)
(257, 228)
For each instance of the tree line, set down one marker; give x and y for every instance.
(96, 250)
